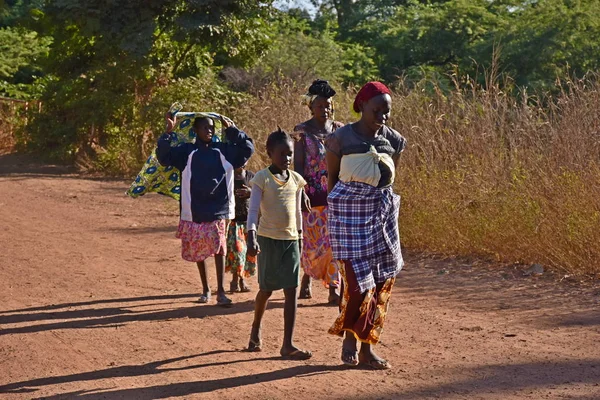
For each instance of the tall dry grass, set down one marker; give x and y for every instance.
(12, 118)
(484, 173)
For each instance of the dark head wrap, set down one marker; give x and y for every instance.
(321, 88)
(367, 92)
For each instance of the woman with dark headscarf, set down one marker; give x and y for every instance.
(363, 222)
(309, 161)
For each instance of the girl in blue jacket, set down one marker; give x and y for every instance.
(207, 193)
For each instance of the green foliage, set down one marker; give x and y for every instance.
(17, 12)
(535, 41)
(109, 59)
(104, 68)
(550, 39)
(301, 54)
(434, 35)
(22, 52)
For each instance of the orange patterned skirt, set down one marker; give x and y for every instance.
(317, 258)
(362, 314)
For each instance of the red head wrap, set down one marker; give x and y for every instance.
(367, 92)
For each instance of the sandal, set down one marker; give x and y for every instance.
(378, 364)
(254, 346)
(223, 300)
(297, 355)
(233, 286)
(305, 288)
(333, 300)
(204, 298)
(305, 292)
(350, 357)
(243, 287)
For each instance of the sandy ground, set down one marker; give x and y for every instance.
(95, 303)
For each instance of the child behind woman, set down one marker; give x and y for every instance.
(207, 199)
(238, 262)
(277, 192)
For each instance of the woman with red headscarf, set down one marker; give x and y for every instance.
(363, 222)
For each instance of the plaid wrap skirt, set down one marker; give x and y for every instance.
(363, 228)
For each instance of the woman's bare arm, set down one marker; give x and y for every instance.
(299, 155)
(333, 169)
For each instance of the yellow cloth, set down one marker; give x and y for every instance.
(278, 207)
(364, 167)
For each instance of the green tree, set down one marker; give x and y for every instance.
(550, 39)
(300, 54)
(441, 35)
(21, 52)
(108, 59)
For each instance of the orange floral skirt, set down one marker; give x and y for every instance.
(317, 259)
(362, 314)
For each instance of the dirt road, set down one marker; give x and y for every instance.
(95, 303)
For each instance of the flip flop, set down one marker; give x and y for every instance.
(333, 300)
(376, 364)
(223, 300)
(297, 355)
(305, 293)
(254, 346)
(204, 298)
(245, 289)
(350, 357)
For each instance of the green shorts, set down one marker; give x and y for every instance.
(278, 264)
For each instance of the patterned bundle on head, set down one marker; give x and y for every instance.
(167, 180)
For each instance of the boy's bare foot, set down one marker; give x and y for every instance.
(233, 286)
(254, 345)
(294, 353)
(255, 342)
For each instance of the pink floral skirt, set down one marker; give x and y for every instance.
(202, 240)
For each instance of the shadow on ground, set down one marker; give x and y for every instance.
(114, 316)
(509, 378)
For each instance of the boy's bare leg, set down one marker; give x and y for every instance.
(220, 267)
(222, 299)
(289, 320)
(260, 305)
(203, 278)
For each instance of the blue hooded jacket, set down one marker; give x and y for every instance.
(207, 171)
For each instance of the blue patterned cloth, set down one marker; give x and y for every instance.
(363, 228)
(153, 177)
